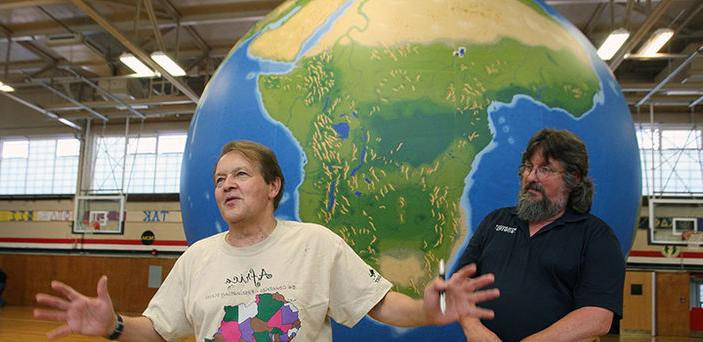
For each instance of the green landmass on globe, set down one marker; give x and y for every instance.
(391, 125)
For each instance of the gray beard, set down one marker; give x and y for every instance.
(538, 210)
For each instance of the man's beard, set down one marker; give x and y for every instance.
(532, 210)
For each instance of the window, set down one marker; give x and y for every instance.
(39, 166)
(696, 293)
(672, 160)
(153, 164)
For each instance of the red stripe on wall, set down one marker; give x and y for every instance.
(658, 254)
(691, 255)
(654, 254)
(95, 241)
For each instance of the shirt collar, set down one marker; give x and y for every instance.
(569, 216)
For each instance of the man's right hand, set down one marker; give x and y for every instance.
(475, 331)
(90, 316)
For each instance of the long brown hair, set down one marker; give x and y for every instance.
(569, 149)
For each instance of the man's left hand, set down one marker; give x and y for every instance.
(462, 294)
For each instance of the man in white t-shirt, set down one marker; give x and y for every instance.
(263, 279)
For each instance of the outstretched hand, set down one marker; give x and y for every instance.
(461, 296)
(90, 316)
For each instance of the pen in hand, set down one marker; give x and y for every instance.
(442, 295)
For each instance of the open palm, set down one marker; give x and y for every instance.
(91, 316)
(462, 294)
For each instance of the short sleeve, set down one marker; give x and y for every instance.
(602, 272)
(473, 251)
(166, 309)
(355, 287)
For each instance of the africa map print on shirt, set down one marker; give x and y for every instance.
(268, 318)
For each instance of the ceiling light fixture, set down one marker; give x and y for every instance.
(683, 92)
(612, 44)
(167, 63)
(6, 88)
(136, 65)
(655, 42)
(69, 123)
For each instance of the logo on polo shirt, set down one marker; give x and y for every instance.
(506, 229)
(374, 275)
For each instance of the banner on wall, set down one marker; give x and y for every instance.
(35, 215)
(148, 216)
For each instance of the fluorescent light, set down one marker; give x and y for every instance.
(132, 106)
(612, 44)
(135, 64)
(6, 88)
(69, 123)
(683, 92)
(655, 42)
(167, 63)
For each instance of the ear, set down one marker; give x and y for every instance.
(577, 177)
(274, 188)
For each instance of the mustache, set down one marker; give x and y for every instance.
(533, 186)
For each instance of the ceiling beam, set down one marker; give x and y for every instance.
(645, 87)
(188, 28)
(151, 40)
(106, 93)
(28, 45)
(74, 101)
(642, 31)
(669, 77)
(39, 109)
(131, 5)
(136, 50)
(15, 4)
(151, 101)
(680, 102)
(591, 23)
(155, 25)
(195, 16)
(184, 109)
(196, 55)
(689, 17)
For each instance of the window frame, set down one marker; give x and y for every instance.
(58, 185)
(661, 161)
(134, 154)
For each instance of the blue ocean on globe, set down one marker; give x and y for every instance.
(232, 108)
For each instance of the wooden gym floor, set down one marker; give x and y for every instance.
(17, 324)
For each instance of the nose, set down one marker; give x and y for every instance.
(229, 183)
(531, 176)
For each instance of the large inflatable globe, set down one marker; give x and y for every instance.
(399, 125)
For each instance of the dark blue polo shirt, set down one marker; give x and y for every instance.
(573, 262)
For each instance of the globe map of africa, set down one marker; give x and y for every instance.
(399, 125)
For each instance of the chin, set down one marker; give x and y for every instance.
(231, 217)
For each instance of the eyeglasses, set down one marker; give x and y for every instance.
(541, 171)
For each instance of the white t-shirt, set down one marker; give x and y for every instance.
(289, 284)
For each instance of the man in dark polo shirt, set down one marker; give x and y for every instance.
(559, 269)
